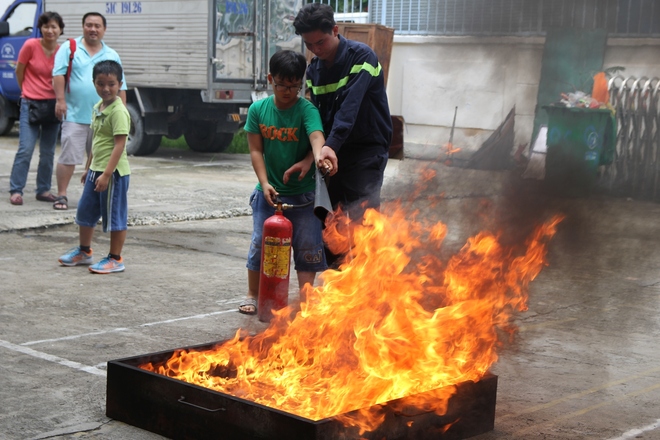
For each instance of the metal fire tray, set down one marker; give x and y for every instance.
(180, 410)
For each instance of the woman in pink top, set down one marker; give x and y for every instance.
(34, 73)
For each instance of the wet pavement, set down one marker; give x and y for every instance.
(584, 365)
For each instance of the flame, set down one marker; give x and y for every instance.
(393, 322)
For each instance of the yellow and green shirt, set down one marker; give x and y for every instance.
(112, 121)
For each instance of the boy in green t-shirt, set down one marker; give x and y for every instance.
(106, 175)
(280, 130)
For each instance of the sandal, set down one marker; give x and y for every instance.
(16, 199)
(46, 197)
(61, 203)
(243, 307)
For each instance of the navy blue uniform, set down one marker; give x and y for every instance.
(351, 98)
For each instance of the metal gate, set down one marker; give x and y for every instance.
(635, 171)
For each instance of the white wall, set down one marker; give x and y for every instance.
(485, 77)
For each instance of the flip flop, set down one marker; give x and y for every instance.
(46, 197)
(248, 302)
(16, 199)
(61, 203)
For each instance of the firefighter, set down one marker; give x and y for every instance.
(346, 84)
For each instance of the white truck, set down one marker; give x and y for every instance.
(193, 67)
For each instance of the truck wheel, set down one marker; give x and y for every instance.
(6, 123)
(139, 142)
(200, 136)
(222, 141)
(174, 130)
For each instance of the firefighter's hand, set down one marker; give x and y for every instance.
(270, 194)
(301, 167)
(326, 162)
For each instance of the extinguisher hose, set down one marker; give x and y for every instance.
(287, 206)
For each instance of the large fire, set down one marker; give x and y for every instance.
(393, 322)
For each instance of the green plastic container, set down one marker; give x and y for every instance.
(579, 141)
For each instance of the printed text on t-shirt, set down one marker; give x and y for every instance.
(282, 134)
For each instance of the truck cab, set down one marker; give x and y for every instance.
(18, 23)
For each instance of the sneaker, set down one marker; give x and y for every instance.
(108, 265)
(76, 257)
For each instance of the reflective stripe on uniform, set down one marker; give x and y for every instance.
(331, 88)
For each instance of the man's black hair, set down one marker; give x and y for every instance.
(315, 16)
(288, 64)
(48, 16)
(108, 67)
(97, 14)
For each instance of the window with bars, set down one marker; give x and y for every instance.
(621, 18)
(345, 6)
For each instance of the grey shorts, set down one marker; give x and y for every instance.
(76, 143)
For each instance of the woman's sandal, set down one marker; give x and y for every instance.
(46, 197)
(248, 302)
(61, 203)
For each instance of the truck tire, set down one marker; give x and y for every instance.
(6, 122)
(200, 136)
(222, 141)
(140, 143)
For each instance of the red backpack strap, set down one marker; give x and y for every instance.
(72, 49)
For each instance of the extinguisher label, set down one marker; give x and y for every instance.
(277, 252)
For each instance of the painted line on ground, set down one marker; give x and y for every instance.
(52, 358)
(185, 318)
(22, 348)
(67, 338)
(123, 329)
(632, 433)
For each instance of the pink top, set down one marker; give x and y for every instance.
(38, 79)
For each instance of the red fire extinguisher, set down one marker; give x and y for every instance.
(275, 264)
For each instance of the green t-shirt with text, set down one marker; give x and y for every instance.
(285, 136)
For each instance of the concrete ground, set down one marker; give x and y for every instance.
(585, 364)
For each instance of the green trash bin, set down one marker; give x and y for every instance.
(579, 141)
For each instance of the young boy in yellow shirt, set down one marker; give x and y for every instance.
(106, 175)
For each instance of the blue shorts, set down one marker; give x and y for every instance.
(110, 205)
(308, 255)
